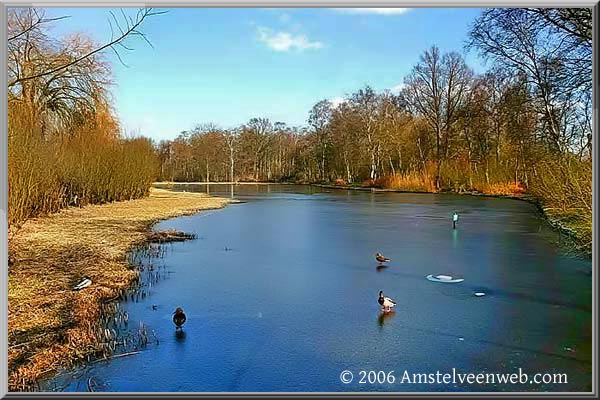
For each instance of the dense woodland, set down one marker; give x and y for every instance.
(525, 125)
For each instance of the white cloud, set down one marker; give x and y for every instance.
(378, 11)
(285, 41)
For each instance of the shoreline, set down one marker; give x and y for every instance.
(554, 221)
(525, 198)
(168, 183)
(50, 326)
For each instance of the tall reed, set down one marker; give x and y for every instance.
(86, 163)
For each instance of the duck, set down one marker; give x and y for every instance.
(379, 257)
(179, 318)
(386, 303)
(83, 283)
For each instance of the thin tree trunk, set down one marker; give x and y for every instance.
(207, 172)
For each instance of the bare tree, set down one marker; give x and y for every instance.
(365, 103)
(231, 137)
(57, 80)
(319, 119)
(27, 25)
(551, 48)
(435, 89)
(256, 135)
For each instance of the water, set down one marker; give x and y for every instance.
(281, 295)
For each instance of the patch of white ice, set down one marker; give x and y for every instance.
(444, 278)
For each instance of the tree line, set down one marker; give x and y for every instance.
(525, 124)
(466, 129)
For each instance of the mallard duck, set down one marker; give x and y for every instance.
(379, 257)
(179, 318)
(83, 283)
(386, 303)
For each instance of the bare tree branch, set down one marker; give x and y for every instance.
(131, 29)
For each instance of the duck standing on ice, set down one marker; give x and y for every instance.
(379, 257)
(386, 303)
(179, 318)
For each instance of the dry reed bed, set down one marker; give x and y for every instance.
(49, 325)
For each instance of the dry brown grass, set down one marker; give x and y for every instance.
(510, 189)
(410, 182)
(49, 325)
(564, 187)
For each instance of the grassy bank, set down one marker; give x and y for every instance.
(49, 325)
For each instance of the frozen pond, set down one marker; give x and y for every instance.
(281, 295)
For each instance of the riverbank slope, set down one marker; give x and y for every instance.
(49, 325)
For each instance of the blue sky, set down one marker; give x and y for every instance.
(228, 65)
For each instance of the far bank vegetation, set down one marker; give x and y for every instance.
(522, 126)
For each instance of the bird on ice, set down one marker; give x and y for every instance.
(386, 303)
(179, 318)
(379, 257)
